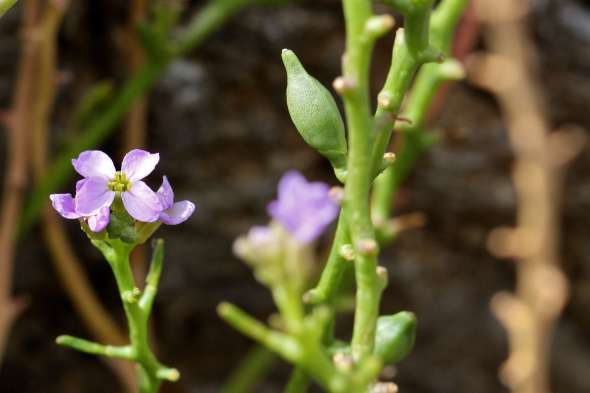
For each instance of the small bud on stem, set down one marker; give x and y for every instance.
(367, 247)
(347, 252)
(343, 85)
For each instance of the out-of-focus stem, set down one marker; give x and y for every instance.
(298, 382)
(18, 130)
(252, 368)
(134, 136)
(529, 315)
(5, 5)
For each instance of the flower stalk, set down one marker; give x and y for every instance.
(119, 212)
(137, 306)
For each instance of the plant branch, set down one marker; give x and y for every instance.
(529, 315)
(79, 344)
(18, 130)
(415, 140)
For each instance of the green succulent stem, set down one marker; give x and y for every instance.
(298, 381)
(137, 308)
(415, 139)
(79, 344)
(327, 288)
(137, 311)
(256, 364)
(306, 338)
(359, 178)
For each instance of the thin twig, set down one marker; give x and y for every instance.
(135, 130)
(529, 315)
(135, 56)
(15, 177)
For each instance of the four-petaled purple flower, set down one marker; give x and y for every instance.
(173, 213)
(304, 208)
(102, 183)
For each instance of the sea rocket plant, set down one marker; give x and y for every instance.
(118, 211)
(356, 147)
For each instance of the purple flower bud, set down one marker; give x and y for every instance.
(303, 208)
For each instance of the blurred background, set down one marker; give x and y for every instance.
(219, 120)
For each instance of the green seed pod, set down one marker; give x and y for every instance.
(395, 336)
(314, 112)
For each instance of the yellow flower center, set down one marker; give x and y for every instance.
(119, 183)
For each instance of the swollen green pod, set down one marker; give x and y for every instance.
(395, 336)
(314, 112)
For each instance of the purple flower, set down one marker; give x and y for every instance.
(102, 182)
(173, 213)
(64, 204)
(304, 208)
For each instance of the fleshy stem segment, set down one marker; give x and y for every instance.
(308, 338)
(415, 139)
(409, 54)
(137, 306)
(355, 92)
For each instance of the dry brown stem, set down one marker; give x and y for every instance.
(529, 315)
(16, 170)
(136, 119)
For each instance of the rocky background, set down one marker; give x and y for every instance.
(220, 122)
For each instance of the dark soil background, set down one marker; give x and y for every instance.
(220, 122)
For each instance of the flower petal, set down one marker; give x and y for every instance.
(304, 208)
(93, 195)
(64, 205)
(141, 202)
(99, 221)
(137, 164)
(94, 163)
(179, 212)
(79, 184)
(166, 194)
